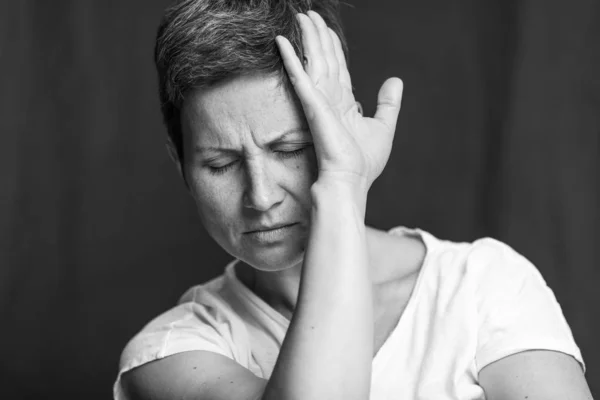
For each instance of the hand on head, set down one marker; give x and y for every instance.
(349, 147)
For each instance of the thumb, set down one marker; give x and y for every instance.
(388, 102)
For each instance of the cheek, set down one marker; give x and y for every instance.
(304, 172)
(215, 198)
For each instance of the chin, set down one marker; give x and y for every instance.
(270, 257)
(274, 262)
(273, 259)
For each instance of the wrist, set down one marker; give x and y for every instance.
(338, 193)
(344, 180)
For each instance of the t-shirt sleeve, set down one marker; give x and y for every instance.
(187, 327)
(517, 311)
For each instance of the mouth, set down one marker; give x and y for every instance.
(272, 235)
(270, 228)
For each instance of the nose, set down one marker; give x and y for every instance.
(262, 191)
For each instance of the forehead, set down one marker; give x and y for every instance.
(246, 107)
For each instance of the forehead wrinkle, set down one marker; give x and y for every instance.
(244, 114)
(220, 126)
(243, 123)
(226, 133)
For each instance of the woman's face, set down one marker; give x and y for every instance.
(250, 164)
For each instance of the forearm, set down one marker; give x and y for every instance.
(328, 348)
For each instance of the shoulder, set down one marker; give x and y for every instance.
(200, 314)
(499, 275)
(488, 255)
(510, 306)
(203, 320)
(515, 309)
(489, 273)
(482, 260)
(406, 252)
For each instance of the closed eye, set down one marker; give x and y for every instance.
(284, 154)
(292, 153)
(221, 169)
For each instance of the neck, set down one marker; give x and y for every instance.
(391, 257)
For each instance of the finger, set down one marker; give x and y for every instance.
(326, 43)
(300, 80)
(316, 65)
(292, 64)
(344, 75)
(389, 100)
(316, 109)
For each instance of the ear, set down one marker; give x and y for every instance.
(360, 109)
(174, 156)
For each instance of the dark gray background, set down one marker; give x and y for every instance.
(499, 135)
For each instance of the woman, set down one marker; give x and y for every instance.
(279, 160)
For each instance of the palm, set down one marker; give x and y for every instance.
(365, 143)
(346, 143)
(376, 143)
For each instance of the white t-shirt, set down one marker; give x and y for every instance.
(472, 304)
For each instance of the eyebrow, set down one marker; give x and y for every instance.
(278, 139)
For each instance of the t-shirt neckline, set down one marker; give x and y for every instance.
(383, 354)
(258, 305)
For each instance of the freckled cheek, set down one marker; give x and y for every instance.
(303, 172)
(216, 199)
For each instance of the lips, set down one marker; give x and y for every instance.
(266, 228)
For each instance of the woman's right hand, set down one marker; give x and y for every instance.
(350, 148)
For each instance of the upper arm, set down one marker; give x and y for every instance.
(516, 310)
(534, 375)
(525, 347)
(198, 375)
